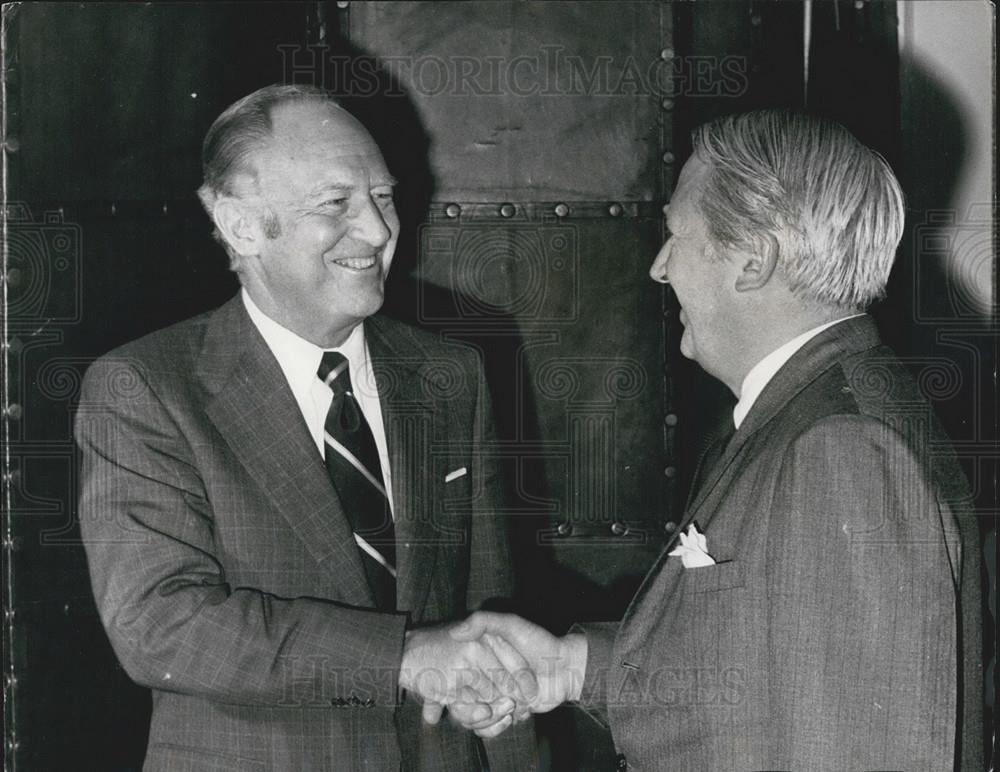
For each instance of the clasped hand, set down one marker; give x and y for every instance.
(492, 670)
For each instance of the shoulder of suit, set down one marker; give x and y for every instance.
(165, 354)
(870, 399)
(873, 382)
(171, 341)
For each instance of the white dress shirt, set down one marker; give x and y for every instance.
(762, 372)
(299, 361)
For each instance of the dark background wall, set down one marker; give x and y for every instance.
(535, 144)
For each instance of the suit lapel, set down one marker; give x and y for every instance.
(254, 410)
(407, 415)
(805, 366)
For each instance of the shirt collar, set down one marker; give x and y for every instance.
(298, 358)
(762, 372)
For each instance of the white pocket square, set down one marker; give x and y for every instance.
(693, 549)
(460, 472)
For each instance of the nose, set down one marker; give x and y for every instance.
(370, 226)
(658, 270)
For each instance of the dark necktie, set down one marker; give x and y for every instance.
(353, 463)
(713, 454)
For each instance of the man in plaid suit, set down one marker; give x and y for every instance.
(221, 503)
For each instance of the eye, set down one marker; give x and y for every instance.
(382, 196)
(338, 201)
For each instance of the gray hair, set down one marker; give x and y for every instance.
(244, 127)
(806, 187)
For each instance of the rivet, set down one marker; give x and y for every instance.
(615, 210)
(668, 157)
(670, 526)
(342, 4)
(670, 419)
(13, 277)
(667, 54)
(859, 4)
(164, 209)
(619, 529)
(561, 210)
(13, 411)
(755, 20)
(12, 478)
(507, 210)
(9, 614)
(670, 471)
(14, 345)
(564, 529)
(12, 144)
(13, 745)
(667, 104)
(9, 681)
(453, 210)
(114, 210)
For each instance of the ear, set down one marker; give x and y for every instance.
(756, 268)
(238, 224)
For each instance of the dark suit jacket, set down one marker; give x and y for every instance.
(839, 629)
(225, 569)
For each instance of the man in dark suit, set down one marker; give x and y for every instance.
(279, 493)
(819, 608)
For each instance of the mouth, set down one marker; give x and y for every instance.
(359, 264)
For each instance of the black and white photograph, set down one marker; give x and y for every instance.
(499, 386)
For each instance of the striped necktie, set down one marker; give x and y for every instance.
(353, 463)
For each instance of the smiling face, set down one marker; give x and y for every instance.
(320, 266)
(702, 278)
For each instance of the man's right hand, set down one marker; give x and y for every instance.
(481, 683)
(559, 665)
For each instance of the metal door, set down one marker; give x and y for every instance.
(533, 142)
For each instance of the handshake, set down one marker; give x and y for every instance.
(491, 671)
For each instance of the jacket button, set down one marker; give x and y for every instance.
(622, 762)
(369, 703)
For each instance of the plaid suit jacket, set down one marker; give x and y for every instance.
(840, 626)
(225, 569)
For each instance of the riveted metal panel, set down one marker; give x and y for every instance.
(537, 101)
(547, 129)
(567, 317)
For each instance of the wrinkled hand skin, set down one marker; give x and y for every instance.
(558, 665)
(480, 685)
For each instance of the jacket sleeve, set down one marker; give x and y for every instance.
(862, 604)
(174, 621)
(600, 661)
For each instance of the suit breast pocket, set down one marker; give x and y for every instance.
(715, 578)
